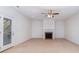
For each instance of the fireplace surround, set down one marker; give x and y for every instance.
(49, 29)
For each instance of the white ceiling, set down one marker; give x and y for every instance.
(34, 12)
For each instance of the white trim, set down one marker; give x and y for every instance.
(74, 41)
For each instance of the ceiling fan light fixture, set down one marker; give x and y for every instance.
(51, 13)
(49, 16)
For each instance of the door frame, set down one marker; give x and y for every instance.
(2, 29)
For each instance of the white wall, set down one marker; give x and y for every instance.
(37, 29)
(72, 29)
(59, 29)
(21, 25)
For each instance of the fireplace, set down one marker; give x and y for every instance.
(48, 35)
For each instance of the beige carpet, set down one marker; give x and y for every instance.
(44, 46)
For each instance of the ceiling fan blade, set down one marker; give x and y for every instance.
(55, 13)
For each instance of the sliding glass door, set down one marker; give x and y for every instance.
(7, 31)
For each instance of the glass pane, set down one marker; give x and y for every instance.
(7, 31)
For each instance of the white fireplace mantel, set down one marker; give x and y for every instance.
(48, 26)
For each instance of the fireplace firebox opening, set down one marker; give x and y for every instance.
(48, 35)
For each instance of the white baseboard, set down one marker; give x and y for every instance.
(20, 42)
(74, 41)
(14, 44)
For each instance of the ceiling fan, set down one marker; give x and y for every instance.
(51, 13)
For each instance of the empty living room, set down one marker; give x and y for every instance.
(39, 29)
